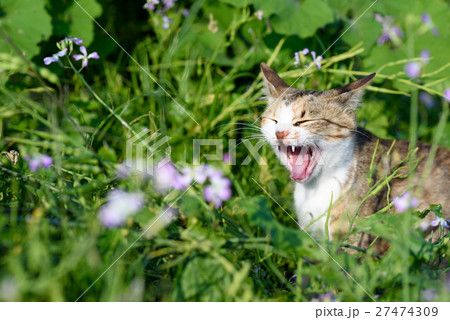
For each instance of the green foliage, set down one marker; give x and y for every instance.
(15, 21)
(81, 24)
(435, 208)
(52, 244)
(308, 17)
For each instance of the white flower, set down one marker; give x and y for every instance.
(259, 14)
(85, 57)
(55, 57)
(120, 206)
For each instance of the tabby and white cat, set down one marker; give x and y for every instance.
(315, 135)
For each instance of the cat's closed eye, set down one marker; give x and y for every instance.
(274, 120)
(299, 123)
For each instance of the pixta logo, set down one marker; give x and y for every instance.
(141, 149)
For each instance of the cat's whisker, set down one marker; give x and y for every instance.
(249, 139)
(243, 129)
(242, 126)
(361, 133)
(239, 124)
(252, 120)
(257, 135)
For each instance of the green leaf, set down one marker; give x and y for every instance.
(437, 210)
(82, 25)
(26, 22)
(107, 153)
(202, 279)
(366, 29)
(304, 19)
(236, 3)
(267, 6)
(374, 117)
(191, 206)
(422, 214)
(273, 7)
(385, 225)
(260, 215)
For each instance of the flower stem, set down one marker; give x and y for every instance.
(103, 103)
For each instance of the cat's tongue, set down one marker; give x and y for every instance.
(299, 164)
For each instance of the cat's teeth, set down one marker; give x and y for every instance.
(293, 148)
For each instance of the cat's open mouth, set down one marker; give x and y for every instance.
(301, 160)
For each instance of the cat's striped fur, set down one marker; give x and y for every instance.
(337, 156)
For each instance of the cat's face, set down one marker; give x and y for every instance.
(309, 129)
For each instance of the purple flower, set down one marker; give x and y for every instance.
(39, 161)
(397, 31)
(435, 31)
(428, 294)
(55, 57)
(166, 22)
(447, 94)
(219, 190)
(259, 271)
(226, 158)
(316, 60)
(67, 40)
(304, 51)
(185, 12)
(424, 225)
(259, 14)
(123, 171)
(150, 5)
(297, 59)
(440, 221)
(389, 29)
(425, 55)
(46, 161)
(297, 56)
(412, 69)
(201, 173)
(85, 57)
(163, 175)
(379, 18)
(8, 290)
(426, 19)
(183, 179)
(169, 3)
(427, 99)
(119, 207)
(405, 202)
(327, 297)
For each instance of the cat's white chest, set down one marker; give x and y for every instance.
(312, 202)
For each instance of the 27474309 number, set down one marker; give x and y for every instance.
(412, 311)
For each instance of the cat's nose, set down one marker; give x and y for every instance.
(281, 134)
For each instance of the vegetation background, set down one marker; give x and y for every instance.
(205, 57)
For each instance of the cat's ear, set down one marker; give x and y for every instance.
(349, 95)
(274, 85)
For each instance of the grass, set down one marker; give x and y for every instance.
(53, 247)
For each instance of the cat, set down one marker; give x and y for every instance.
(315, 135)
